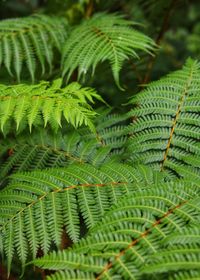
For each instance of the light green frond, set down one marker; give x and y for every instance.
(29, 40)
(34, 104)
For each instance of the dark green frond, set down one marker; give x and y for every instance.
(42, 149)
(101, 38)
(180, 253)
(166, 129)
(36, 207)
(122, 244)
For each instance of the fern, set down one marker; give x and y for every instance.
(140, 225)
(103, 37)
(42, 149)
(99, 193)
(166, 130)
(48, 103)
(54, 199)
(30, 39)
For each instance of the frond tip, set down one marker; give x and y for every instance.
(101, 38)
(25, 41)
(46, 103)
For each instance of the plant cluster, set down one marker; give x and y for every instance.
(92, 188)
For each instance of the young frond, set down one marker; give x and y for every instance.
(166, 130)
(138, 227)
(45, 103)
(30, 40)
(101, 38)
(37, 206)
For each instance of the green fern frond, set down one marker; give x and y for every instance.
(166, 130)
(45, 103)
(42, 149)
(36, 207)
(122, 243)
(101, 38)
(180, 253)
(25, 41)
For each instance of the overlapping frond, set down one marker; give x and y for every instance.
(46, 103)
(166, 126)
(30, 41)
(140, 225)
(180, 256)
(101, 38)
(37, 206)
(42, 149)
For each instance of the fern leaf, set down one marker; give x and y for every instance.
(52, 200)
(166, 129)
(134, 229)
(42, 149)
(29, 40)
(32, 104)
(104, 37)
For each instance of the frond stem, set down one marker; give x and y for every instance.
(143, 235)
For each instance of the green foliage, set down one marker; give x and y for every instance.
(90, 192)
(42, 149)
(133, 235)
(46, 103)
(103, 37)
(53, 200)
(30, 40)
(166, 114)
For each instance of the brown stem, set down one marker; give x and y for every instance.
(134, 242)
(4, 275)
(160, 36)
(89, 9)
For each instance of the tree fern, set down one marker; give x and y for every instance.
(23, 41)
(166, 130)
(46, 103)
(122, 244)
(42, 149)
(37, 206)
(103, 37)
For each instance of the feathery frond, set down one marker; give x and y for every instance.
(46, 103)
(36, 207)
(101, 38)
(42, 149)
(166, 131)
(25, 41)
(123, 242)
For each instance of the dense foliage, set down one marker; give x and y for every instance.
(100, 130)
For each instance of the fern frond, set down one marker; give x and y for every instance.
(166, 130)
(25, 41)
(180, 253)
(37, 206)
(42, 149)
(122, 243)
(33, 104)
(101, 38)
